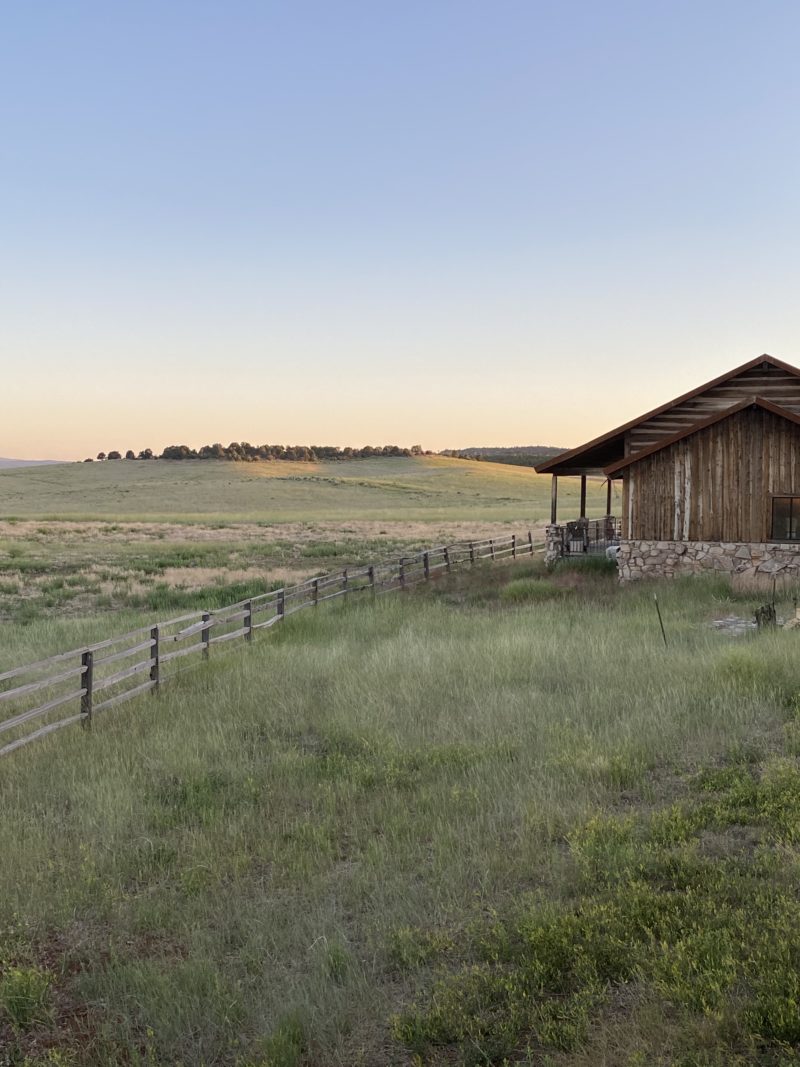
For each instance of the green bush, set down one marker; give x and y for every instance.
(25, 996)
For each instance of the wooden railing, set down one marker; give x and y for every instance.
(588, 536)
(90, 680)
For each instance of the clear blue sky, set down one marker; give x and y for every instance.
(444, 223)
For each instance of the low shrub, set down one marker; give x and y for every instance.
(715, 937)
(25, 996)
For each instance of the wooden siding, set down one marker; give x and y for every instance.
(771, 383)
(716, 484)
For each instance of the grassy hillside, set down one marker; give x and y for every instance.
(159, 537)
(5, 462)
(495, 821)
(426, 488)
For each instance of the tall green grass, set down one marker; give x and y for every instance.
(274, 860)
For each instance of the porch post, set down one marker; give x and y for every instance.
(553, 500)
(608, 498)
(583, 496)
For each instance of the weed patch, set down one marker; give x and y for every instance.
(411, 947)
(715, 935)
(25, 996)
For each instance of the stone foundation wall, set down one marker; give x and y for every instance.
(668, 559)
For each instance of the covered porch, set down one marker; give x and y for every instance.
(581, 535)
(576, 537)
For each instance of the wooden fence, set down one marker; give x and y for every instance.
(90, 680)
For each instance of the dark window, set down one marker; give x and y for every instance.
(786, 518)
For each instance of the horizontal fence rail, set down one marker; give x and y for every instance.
(85, 682)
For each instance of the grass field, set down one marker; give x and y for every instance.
(154, 537)
(422, 489)
(490, 821)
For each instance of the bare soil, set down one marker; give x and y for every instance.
(297, 532)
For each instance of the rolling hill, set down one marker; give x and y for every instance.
(7, 463)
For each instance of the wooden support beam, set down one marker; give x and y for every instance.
(583, 496)
(554, 500)
(608, 497)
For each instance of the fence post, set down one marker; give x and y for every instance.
(426, 563)
(315, 591)
(345, 587)
(402, 572)
(205, 635)
(472, 551)
(530, 541)
(491, 546)
(371, 573)
(87, 683)
(248, 621)
(447, 558)
(155, 656)
(281, 606)
(513, 546)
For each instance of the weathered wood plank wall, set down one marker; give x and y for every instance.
(716, 484)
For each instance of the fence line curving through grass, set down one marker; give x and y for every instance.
(84, 683)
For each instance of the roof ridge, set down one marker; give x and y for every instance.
(547, 466)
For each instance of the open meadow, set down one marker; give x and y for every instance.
(489, 820)
(151, 537)
(426, 489)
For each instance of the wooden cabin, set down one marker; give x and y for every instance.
(709, 480)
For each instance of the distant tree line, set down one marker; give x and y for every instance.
(520, 456)
(245, 452)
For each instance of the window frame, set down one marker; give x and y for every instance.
(794, 517)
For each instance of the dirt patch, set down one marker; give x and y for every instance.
(202, 577)
(296, 532)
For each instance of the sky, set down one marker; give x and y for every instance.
(434, 222)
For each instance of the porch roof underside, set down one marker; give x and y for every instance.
(591, 460)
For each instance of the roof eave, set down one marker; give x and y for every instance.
(573, 453)
(614, 469)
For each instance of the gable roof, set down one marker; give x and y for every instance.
(605, 451)
(718, 416)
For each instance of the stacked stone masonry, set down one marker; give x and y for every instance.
(552, 544)
(668, 559)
